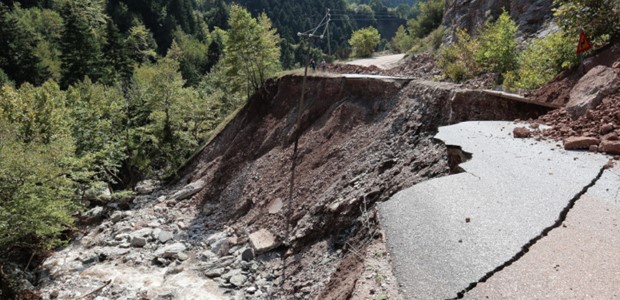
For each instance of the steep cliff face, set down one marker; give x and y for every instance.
(530, 15)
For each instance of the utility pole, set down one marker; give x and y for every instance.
(308, 36)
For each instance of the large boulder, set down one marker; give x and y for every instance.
(589, 92)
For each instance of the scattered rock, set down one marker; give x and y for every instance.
(275, 206)
(611, 137)
(146, 186)
(213, 273)
(117, 216)
(238, 280)
(610, 147)
(263, 241)
(606, 128)
(138, 242)
(588, 93)
(521, 133)
(207, 255)
(165, 236)
(189, 190)
(170, 251)
(247, 254)
(182, 256)
(580, 142)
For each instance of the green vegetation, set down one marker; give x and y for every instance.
(599, 19)
(252, 50)
(426, 23)
(494, 49)
(121, 112)
(364, 41)
(542, 60)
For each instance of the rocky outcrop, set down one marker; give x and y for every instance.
(530, 15)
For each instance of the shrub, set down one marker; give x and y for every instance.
(457, 60)
(364, 41)
(494, 50)
(498, 47)
(542, 60)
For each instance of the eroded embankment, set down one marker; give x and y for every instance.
(362, 140)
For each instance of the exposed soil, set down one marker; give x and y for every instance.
(362, 140)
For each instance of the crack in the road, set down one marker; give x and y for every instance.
(528, 245)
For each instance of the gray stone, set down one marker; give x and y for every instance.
(263, 241)
(182, 256)
(165, 236)
(138, 242)
(189, 190)
(95, 212)
(215, 237)
(170, 251)
(144, 232)
(251, 290)
(207, 255)
(212, 273)
(230, 274)
(117, 216)
(146, 186)
(247, 254)
(238, 280)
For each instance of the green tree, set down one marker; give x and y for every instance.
(457, 60)
(498, 45)
(429, 18)
(98, 115)
(18, 49)
(117, 56)
(141, 44)
(252, 52)
(402, 41)
(36, 192)
(82, 39)
(364, 41)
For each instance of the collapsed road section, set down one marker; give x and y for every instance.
(221, 231)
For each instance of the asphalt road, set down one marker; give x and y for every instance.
(447, 233)
(382, 62)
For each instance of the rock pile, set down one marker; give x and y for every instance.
(160, 249)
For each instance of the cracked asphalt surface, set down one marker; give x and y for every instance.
(447, 234)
